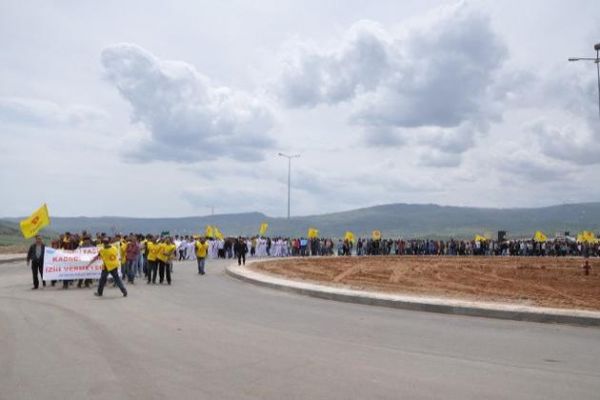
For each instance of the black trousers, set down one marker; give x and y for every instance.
(151, 271)
(241, 258)
(86, 282)
(37, 267)
(162, 268)
(115, 274)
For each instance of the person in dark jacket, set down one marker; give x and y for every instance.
(35, 257)
(240, 248)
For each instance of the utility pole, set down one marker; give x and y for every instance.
(289, 157)
(597, 62)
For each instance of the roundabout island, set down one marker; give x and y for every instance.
(540, 289)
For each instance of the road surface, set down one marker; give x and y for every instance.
(213, 337)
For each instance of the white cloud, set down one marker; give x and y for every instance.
(525, 166)
(569, 129)
(28, 111)
(188, 117)
(437, 158)
(232, 199)
(439, 82)
(311, 76)
(575, 142)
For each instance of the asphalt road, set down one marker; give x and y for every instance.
(213, 337)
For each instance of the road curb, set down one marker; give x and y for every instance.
(426, 304)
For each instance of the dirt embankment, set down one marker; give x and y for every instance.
(540, 281)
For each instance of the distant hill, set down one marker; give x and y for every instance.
(394, 220)
(10, 235)
(9, 228)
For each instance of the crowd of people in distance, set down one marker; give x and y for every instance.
(258, 246)
(558, 247)
(137, 250)
(150, 256)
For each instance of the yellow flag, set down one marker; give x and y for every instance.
(263, 229)
(209, 231)
(479, 238)
(586, 237)
(349, 236)
(539, 237)
(376, 235)
(38, 220)
(313, 233)
(217, 233)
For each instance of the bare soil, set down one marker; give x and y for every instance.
(539, 281)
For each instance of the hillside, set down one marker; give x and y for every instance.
(11, 239)
(9, 233)
(407, 220)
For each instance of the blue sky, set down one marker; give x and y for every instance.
(143, 108)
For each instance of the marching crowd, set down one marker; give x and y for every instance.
(452, 247)
(137, 256)
(150, 257)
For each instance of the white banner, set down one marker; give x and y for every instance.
(71, 264)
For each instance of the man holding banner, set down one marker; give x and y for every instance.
(110, 260)
(35, 256)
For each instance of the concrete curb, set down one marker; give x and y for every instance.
(515, 312)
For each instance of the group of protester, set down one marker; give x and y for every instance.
(257, 246)
(148, 256)
(558, 248)
(137, 256)
(299, 247)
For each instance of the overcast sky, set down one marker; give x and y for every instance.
(153, 108)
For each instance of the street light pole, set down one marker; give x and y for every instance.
(289, 157)
(597, 62)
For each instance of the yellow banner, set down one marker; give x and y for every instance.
(217, 233)
(38, 220)
(376, 235)
(479, 238)
(349, 236)
(586, 237)
(263, 229)
(313, 233)
(209, 231)
(539, 237)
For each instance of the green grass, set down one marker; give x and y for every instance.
(12, 240)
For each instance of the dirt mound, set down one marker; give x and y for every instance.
(540, 281)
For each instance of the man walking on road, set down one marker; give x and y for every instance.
(240, 248)
(35, 256)
(201, 252)
(152, 249)
(165, 255)
(132, 253)
(110, 258)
